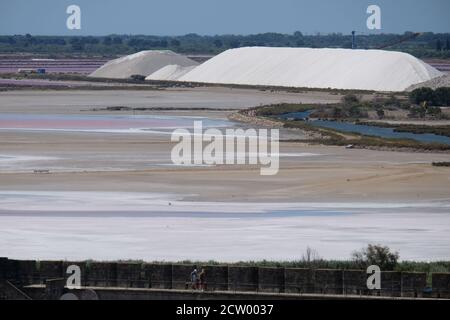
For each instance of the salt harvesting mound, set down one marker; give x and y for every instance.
(435, 83)
(314, 68)
(142, 63)
(171, 72)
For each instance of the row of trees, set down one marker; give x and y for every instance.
(426, 45)
(440, 46)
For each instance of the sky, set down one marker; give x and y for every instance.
(210, 17)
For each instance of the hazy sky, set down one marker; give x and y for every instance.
(209, 17)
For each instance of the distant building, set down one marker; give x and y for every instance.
(27, 70)
(31, 70)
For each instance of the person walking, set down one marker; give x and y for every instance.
(194, 278)
(202, 277)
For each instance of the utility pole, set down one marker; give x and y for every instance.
(353, 40)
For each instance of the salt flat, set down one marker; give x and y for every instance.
(131, 202)
(419, 234)
(75, 101)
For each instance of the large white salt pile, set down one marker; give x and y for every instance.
(141, 63)
(314, 68)
(170, 72)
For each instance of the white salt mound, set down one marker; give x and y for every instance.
(314, 68)
(171, 72)
(142, 63)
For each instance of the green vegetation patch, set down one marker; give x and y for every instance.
(441, 164)
(427, 96)
(279, 109)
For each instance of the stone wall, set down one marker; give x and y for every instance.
(22, 271)
(158, 275)
(101, 274)
(441, 285)
(228, 278)
(181, 275)
(412, 282)
(242, 278)
(271, 279)
(217, 277)
(50, 270)
(297, 280)
(354, 281)
(129, 275)
(328, 281)
(391, 283)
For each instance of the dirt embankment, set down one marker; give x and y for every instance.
(251, 118)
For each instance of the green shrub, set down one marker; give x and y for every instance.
(438, 97)
(137, 77)
(375, 254)
(441, 164)
(417, 112)
(380, 113)
(392, 100)
(350, 99)
(442, 96)
(421, 95)
(434, 111)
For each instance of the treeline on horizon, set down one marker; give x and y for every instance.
(426, 45)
